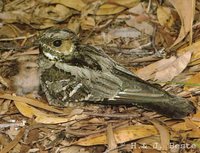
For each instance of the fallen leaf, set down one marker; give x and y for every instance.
(121, 135)
(87, 23)
(149, 71)
(195, 49)
(75, 4)
(140, 20)
(4, 106)
(43, 117)
(112, 145)
(32, 102)
(14, 142)
(9, 31)
(153, 141)
(25, 109)
(15, 16)
(74, 24)
(123, 33)
(174, 69)
(4, 82)
(164, 135)
(126, 3)
(141, 25)
(194, 81)
(186, 17)
(57, 13)
(164, 16)
(108, 9)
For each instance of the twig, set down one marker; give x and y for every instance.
(17, 38)
(126, 116)
(12, 124)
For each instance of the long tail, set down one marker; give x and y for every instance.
(168, 105)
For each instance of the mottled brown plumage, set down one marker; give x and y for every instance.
(71, 73)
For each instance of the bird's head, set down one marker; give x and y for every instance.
(57, 44)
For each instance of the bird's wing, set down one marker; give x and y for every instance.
(134, 90)
(142, 93)
(60, 87)
(99, 85)
(122, 88)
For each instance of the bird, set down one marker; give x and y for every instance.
(73, 73)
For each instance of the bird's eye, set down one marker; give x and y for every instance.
(57, 43)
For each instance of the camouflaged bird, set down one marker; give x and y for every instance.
(72, 72)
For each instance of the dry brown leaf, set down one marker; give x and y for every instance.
(195, 49)
(41, 116)
(108, 9)
(121, 135)
(183, 126)
(164, 135)
(15, 16)
(174, 69)
(112, 145)
(75, 4)
(153, 141)
(186, 17)
(25, 109)
(127, 32)
(18, 5)
(57, 13)
(16, 11)
(148, 72)
(4, 106)
(4, 82)
(32, 102)
(164, 16)
(87, 23)
(186, 130)
(38, 15)
(13, 143)
(196, 117)
(140, 20)
(115, 6)
(126, 3)
(9, 31)
(74, 24)
(165, 69)
(56, 120)
(192, 82)
(140, 23)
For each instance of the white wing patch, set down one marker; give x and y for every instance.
(50, 56)
(75, 89)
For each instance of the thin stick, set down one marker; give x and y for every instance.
(17, 38)
(127, 116)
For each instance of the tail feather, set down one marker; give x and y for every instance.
(174, 107)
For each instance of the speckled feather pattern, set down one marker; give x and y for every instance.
(73, 73)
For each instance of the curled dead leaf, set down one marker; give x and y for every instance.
(186, 17)
(174, 69)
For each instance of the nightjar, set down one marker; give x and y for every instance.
(72, 72)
